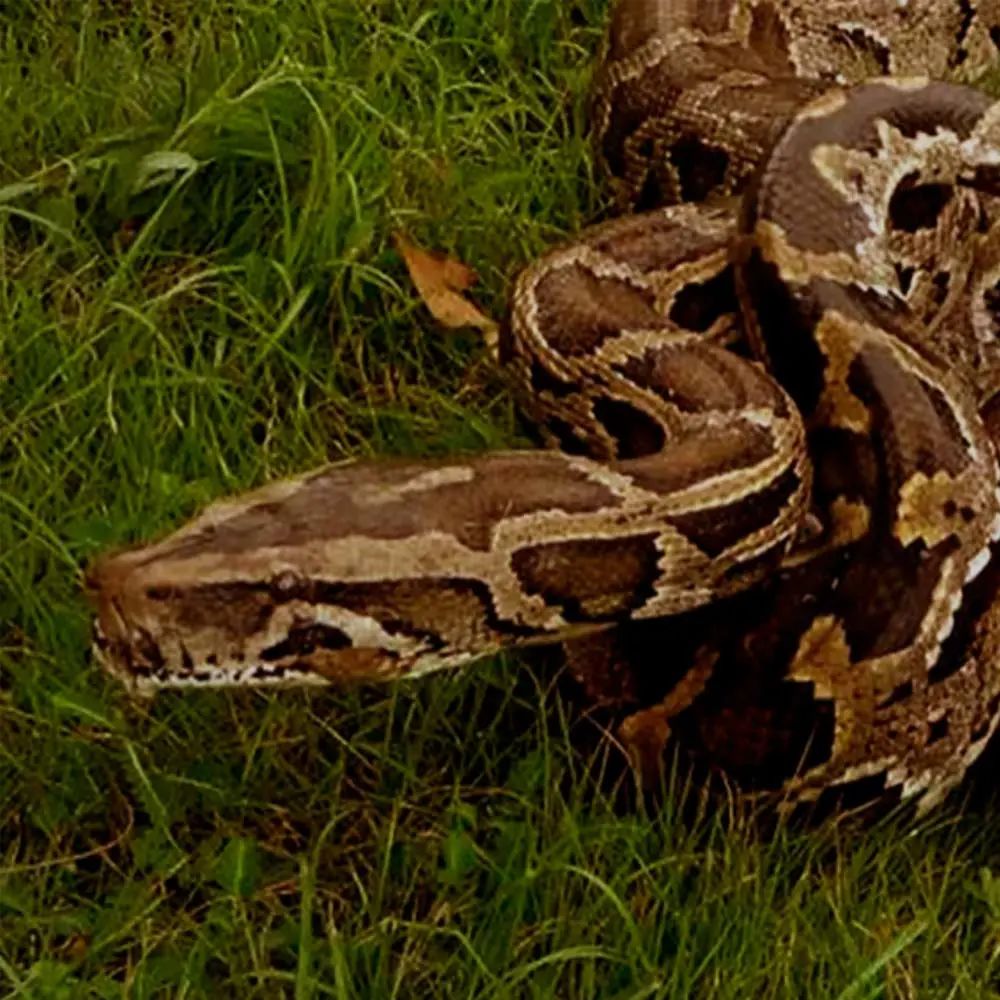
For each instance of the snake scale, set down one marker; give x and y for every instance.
(766, 523)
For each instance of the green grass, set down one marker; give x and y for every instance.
(198, 292)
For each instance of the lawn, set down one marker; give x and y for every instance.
(198, 293)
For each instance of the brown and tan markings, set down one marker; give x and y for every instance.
(765, 525)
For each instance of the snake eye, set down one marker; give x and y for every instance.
(286, 582)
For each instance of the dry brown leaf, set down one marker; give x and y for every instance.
(440, 281)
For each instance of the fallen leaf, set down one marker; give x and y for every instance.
(440, 281)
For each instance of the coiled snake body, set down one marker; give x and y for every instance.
(766, 526)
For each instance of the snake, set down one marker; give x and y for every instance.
(763, 520)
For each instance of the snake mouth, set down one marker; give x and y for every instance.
(131, 665)
(130, 653)
(118, 656)
(123, 649)
(110, 660)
